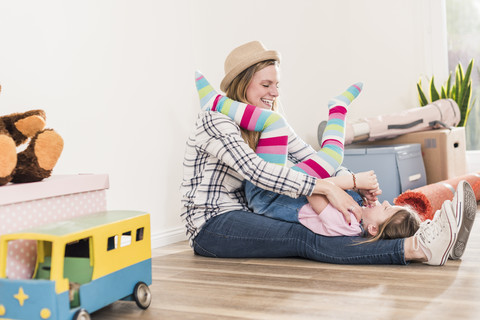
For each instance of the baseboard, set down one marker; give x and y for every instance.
(167, 237)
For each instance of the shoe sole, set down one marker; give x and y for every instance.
(469, 212)
(452, 221)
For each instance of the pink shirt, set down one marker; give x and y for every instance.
(330, 222)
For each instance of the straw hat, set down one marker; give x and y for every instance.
(243, 57)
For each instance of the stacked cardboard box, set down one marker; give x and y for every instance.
(443, 151)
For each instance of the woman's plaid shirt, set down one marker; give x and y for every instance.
(217, 161)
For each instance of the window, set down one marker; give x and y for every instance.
(112, 243)
(463, 32)
(139, 234)
(79, 248)
(126, 239)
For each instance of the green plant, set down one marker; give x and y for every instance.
(460, 91)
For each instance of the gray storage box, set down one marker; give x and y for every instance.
(398, 167)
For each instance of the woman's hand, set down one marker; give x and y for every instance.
(370, 197)
(366, 180)
(339, 199)
(368, 187)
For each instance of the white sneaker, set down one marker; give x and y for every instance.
(437, 236)
(465, 206)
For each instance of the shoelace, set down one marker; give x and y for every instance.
(416, 244)
(429, 231)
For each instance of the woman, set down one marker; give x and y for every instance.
(379, 221)
(218, 159)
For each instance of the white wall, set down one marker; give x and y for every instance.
(116, 77)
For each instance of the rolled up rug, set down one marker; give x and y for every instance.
(428, 199)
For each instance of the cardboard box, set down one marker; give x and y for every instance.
(398, 168)
(60, 197)
(443, 151)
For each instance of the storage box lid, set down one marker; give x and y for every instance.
(53, 186)
(380, 149)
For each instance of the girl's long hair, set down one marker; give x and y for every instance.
(402, 224)
(237, 90)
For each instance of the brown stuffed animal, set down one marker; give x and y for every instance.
(38, 159)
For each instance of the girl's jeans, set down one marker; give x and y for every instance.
(279, 206)
(244, 234)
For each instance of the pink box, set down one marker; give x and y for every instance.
(59, 197)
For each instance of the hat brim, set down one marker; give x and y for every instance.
(263, 56)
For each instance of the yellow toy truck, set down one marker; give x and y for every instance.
(82, 264)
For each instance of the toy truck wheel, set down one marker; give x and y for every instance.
(81, 315)
(142, 295)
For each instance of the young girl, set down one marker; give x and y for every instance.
(382, 221)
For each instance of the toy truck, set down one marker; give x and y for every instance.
(82, 264)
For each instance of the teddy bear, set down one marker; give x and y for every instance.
(37, 160)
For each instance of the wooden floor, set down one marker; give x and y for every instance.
(186, 286)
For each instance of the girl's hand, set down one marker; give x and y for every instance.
(368, 187)
(370, 197)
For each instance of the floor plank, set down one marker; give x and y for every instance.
(186, 286)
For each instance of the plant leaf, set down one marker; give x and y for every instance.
(443, 93)
(433, 91)
(468, 111)
(421, 95)
(465, 107)
(465, 92)
(456, 85)
(460, 72)
(449, 88)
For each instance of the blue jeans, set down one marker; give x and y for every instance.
(279, 206)
(244, 234)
